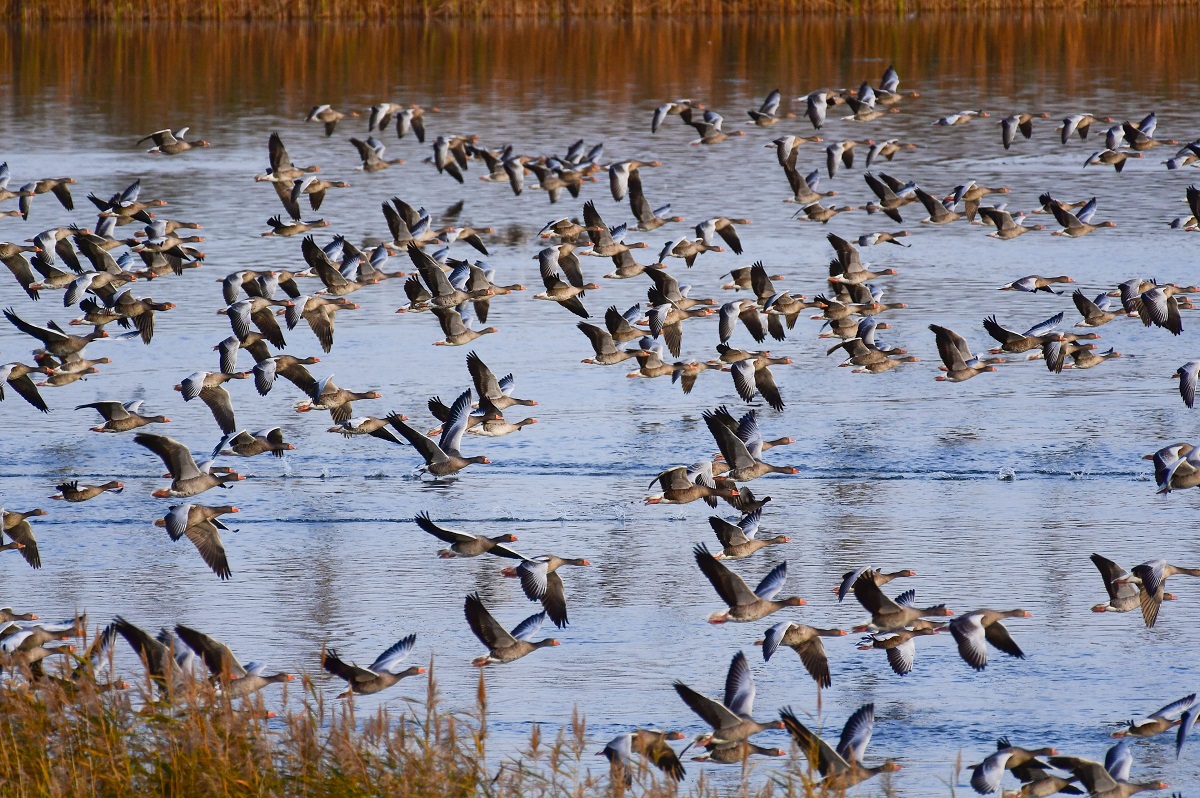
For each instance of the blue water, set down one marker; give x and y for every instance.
(995, 491)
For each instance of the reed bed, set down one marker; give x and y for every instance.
(117, 10)
(82, 740)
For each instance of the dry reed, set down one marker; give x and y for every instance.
(81, 740)
(177, 10)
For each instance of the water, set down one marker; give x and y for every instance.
(995, 490)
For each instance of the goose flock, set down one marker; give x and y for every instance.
(449, 283)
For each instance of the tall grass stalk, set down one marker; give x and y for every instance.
(59, 739)
(300, 10)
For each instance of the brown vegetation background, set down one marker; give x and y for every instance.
(295, 10)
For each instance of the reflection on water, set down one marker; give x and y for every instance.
(896, 470)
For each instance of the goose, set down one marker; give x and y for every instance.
(686, 484)
(744, 604)
(900, 644)
(1140, 136)
(806, 642)
(1153, 575)
(369, 425)
(463, 544)
(330, 273)
(893, 195)
(620, 173)
(314, 187)
(492, 423)
(282, 170)
(16, 376)
(709, 127)
(232, 677)
(674, 108)
(732, 718)
(863, 106)
(804, 187)
(20, 532)
(848, 267)
(970, 193)
(1114, 158)
(960, 118)
(294, 227)
(442, 458)
(72, 492)
(1081, 124)
(186, 478)
(649, 743)
(27, 637)
(706, 230)
(371, 152)
(1099, 782)
(938, 211)
(605, 348)
(1161, 720)
(61, 187)
(960, 364)
(888, 615)
(687, 249)
(1018, 123)
(326, 115)
(1084, 358)
(1159, 306)
(541, 582)
(1124, 592)
(567, 292)
(89, 668)
(841, 153)
(1023, 762)
(256, 310)
(376, 677)
(498, 392)
(122, 417)
(169, 142)
(739, 540)
(1034, 337)
(53, 338)
(751, 377)
(251, 444)
(319, 312)
(1186, 374)
(1006, 227)
(741, 279)
(840, 767)
(816, 212)
(456, 326)
(208, 387)
(326, 395)
(740, 456)
(413, 119)
(648, 217)
(158, 655)
(268, 368)
(877, 575)
(887, 150)
(503, 646)
(201, 525)
(1076, 225)
(972, 629)
(768, 113)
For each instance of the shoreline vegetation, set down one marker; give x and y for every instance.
(83, 739)
(32, 11)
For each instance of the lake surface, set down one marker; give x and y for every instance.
(995, 490)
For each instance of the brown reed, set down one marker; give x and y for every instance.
(74, 740)
(178, 10)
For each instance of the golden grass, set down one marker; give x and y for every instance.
(84, 741)
(177, 10)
